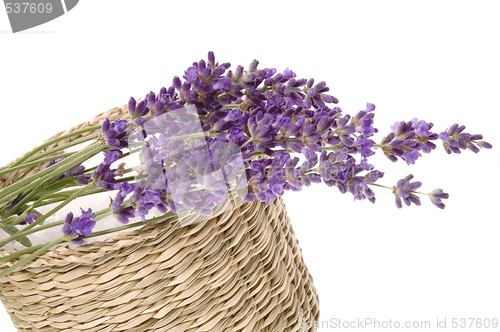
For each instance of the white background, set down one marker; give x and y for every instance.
(438, 61)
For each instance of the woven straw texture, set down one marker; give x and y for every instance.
(240, 269)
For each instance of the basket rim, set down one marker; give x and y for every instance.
(62, 255)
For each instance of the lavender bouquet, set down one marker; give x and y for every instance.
(214, 135)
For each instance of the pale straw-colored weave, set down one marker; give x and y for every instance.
(240, 269)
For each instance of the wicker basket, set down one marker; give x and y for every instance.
(240, 269)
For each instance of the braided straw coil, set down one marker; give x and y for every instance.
(240, 269)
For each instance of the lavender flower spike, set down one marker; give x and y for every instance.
(29, 219)
(436, 196)
(137, 110)
(76, 173)
(407, 139)
(403, 190)
(114, 134)
(124, 214)
(110, 156)
(455, 140)
(81, 226)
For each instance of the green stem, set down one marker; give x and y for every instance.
(34, 163)
(21, 203)
(195, 135)
(311, 171)
(61, 196)
(31, 257)
(40, 220)
(99, 215)
(56, 187)
(55, 140)
(20, 252)
(103, 214)
(49, 174)
(58, 197)
(247, 142)
(121, 157)
(392, 189)
(232, 106)
(379, 185)
(64, 146)
(76, 194)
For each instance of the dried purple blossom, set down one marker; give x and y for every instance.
(125, 188)
(110, 156)
(436, 196)
(124, 214)
(114, 134)
(29, 219)
(315, 95)
(76, 173)
(53, 162)
(81, 226)
(14, 203)
(105, 177)
(408, 139)
(455, 140)
(404, 189)
(137, 110)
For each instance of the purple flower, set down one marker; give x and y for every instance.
(271, 114)
(121, 213)
(404, 190)
(53, 162)
(191, 74)
(114, 134)
(137, 111)
(365, 146)
(228, 121)
(29, 219)
(344, 131)
(76, 173)
(454, 140)
(125, 188)
(287, 74)
(124, 214)
(316, 97)
(104, 177)
(222, 84)
(14, 203)
(436, 196)
(407, 139)
(443, 136)
(117, 202)
(421, 127)
(110, 156)
(142, 210)
(366, 127)
(151, 196)
(81, 226)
